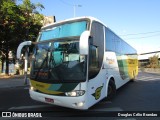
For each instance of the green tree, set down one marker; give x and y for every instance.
(17, 23)
(32, 18)
(153, 61)
(8, 21)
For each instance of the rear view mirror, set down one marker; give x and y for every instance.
(21, 46)
(83, 44)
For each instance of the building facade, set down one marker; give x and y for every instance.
(144, 57)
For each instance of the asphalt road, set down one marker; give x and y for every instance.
(142, 95)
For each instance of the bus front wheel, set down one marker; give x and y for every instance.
(111, 90)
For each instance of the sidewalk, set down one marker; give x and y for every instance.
(11, 81)
(150, 70)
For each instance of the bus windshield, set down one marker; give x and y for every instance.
(64, 30)
(58, 61)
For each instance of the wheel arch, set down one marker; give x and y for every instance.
(111, 78)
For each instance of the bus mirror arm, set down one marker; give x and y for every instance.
(84, 43)
(21, 46)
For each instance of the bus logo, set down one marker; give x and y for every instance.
(97, 93)
(110, 61)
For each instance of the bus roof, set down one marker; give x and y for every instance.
(81, 18)
(73, 19)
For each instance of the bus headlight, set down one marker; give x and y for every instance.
(75, 93)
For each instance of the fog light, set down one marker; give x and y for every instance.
(80, 104)
(32, 88)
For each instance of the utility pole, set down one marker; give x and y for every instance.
(74, 9)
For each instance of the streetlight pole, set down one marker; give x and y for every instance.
(74, 9)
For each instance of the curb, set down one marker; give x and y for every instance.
(2, 87)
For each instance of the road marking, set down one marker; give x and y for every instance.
(45, 106)
(26, 87)
(112, 109)
(127, 119)
(107, 109)
(148, 78)
(155, 78)
(104, 102)
(145, 77)
(29, 107)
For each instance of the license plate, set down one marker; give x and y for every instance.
(49, 100)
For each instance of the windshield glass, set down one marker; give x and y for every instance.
(64, 30)
(58, 61)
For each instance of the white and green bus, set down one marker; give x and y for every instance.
(78, 62)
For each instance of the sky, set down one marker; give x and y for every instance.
(135, 21)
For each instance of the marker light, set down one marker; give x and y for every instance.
(75, 93)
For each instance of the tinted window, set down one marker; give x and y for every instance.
(96, 49)
(93, 61)
(116, 44)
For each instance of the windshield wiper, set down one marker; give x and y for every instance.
(41, 66)
(43, 62)
(51, 61)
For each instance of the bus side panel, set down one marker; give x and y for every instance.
(126, 55)
(113, 69)
(96, 89)
(132, 63)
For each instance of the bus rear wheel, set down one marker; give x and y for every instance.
(111, 90)
(134, 76)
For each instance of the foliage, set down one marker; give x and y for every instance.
(153, 62)
(17, 23)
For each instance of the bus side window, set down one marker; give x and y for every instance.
(93, 61)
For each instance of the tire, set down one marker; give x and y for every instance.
(111, 90)
(134, 77)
